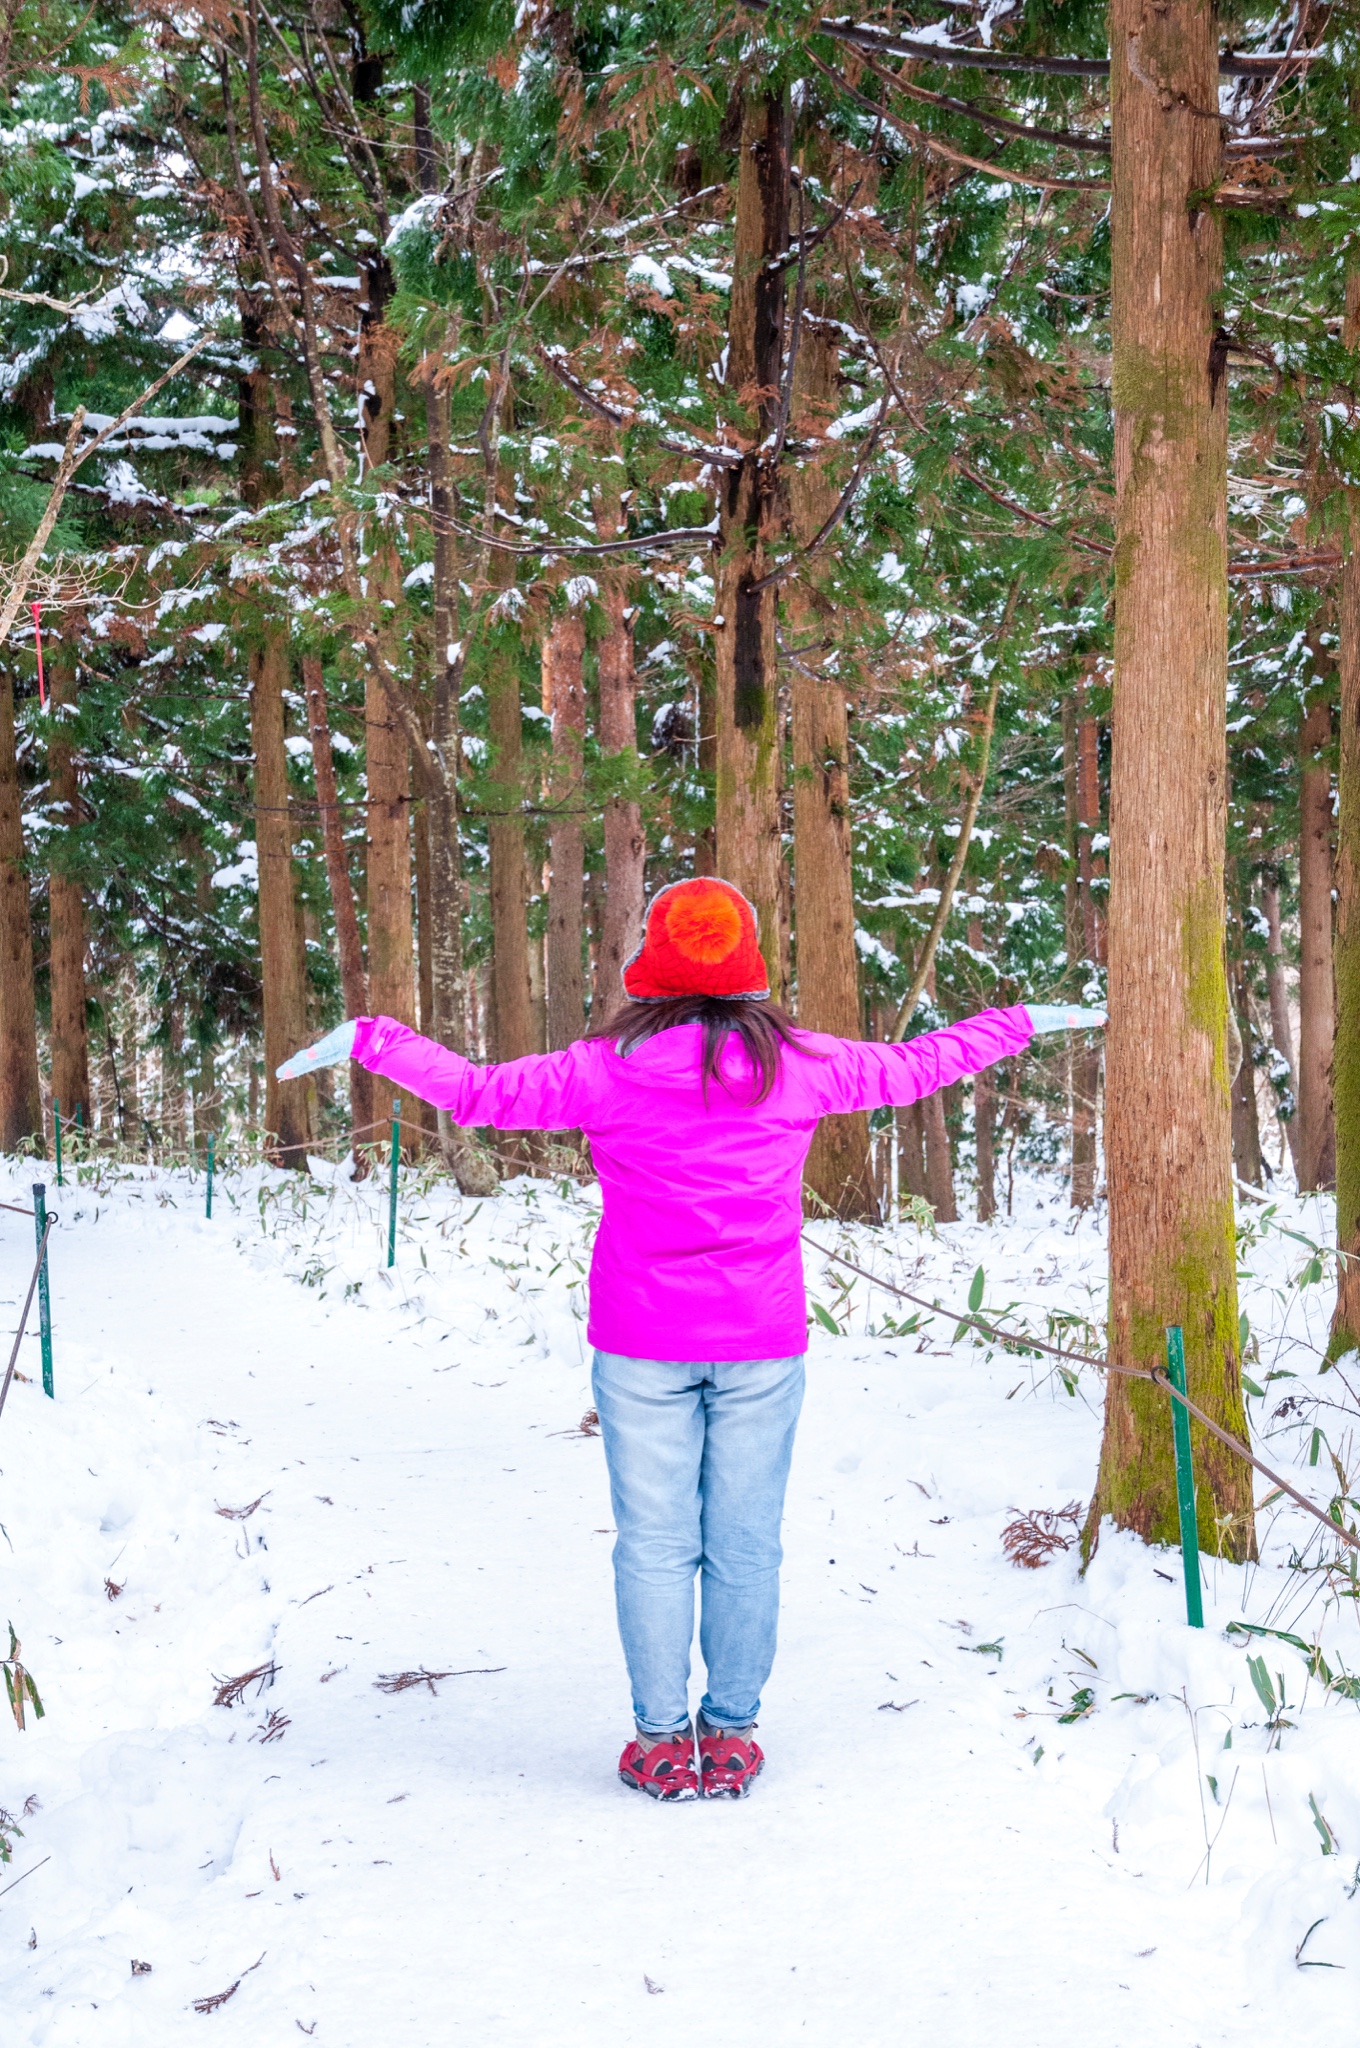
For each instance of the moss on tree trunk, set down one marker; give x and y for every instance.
(1345, 1334)
(1168, 1122)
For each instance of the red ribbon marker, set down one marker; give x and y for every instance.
(36, 610)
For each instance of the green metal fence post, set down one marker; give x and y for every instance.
(44, 1299)
(56, 1127)
(1185, 1478)
(392, 1202)
(80, 1117)
(212, 1140)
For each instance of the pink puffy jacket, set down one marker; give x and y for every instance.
(697, 1254)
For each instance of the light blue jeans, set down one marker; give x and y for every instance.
(698, 1459)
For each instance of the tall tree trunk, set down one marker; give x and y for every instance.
(911, 1151)
(748, 832)
(21, 1108)
(625, 844)
(424, 962)
(1345, 1334)
(939, 1152)
(1280, 1031)
(1085, 1046)
(564, 700)
(287, 1104)
(387, 753)
(420, 833)
(1168, 1132)
(1246, 1129)
(511, 1023)
(984, 1133)
(939, 1160)
(838, 1173)
(353, 980)
(66, 894)
(984, 1111)
(1317, 1136)
(472, 1167)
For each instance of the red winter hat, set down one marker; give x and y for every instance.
(699, 939)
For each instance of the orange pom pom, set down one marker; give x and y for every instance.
(703, 927)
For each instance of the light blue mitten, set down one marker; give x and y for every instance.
(331, 1051)
(1062, 1017)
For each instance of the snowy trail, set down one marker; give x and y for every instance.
(464, 1866)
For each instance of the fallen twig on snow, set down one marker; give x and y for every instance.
(230, 1691)
(243, 1514)
(402, 1681)
(219, 1998)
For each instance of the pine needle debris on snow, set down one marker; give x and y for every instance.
(230, 1691)
(1033, 1538)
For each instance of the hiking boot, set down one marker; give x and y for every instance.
(662, 1766)
(728, 1760)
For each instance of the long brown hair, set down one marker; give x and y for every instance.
(763, 1028)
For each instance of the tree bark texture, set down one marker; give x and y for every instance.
(1281, 1031)
(387, 753)
(984, 1134)
(511, 1023)
(349, 947)
(939, 1160)
(838, 1173)
(287, 1104)
(66, 895)
(420, 834)
(1168, 1133)
(625, 844)
(21, 1109)
(1246, 1129)
(564, 700)
(1317, 1136)
(471, 1165)
(748, 825)
(911, 1151)
(1086, 1045)
(1345, 1334)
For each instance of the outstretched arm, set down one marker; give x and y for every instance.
(547, 1093)
(865, 1075)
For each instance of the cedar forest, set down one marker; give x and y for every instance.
(906, 462)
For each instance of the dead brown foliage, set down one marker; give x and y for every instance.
(230, 1691)
(1033, 1538)
(242, 1514)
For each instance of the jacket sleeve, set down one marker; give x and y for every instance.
(863, 1074)
(547, 1092)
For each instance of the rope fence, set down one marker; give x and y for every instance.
(1135, 1372)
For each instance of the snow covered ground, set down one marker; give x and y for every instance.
(937, 1852)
